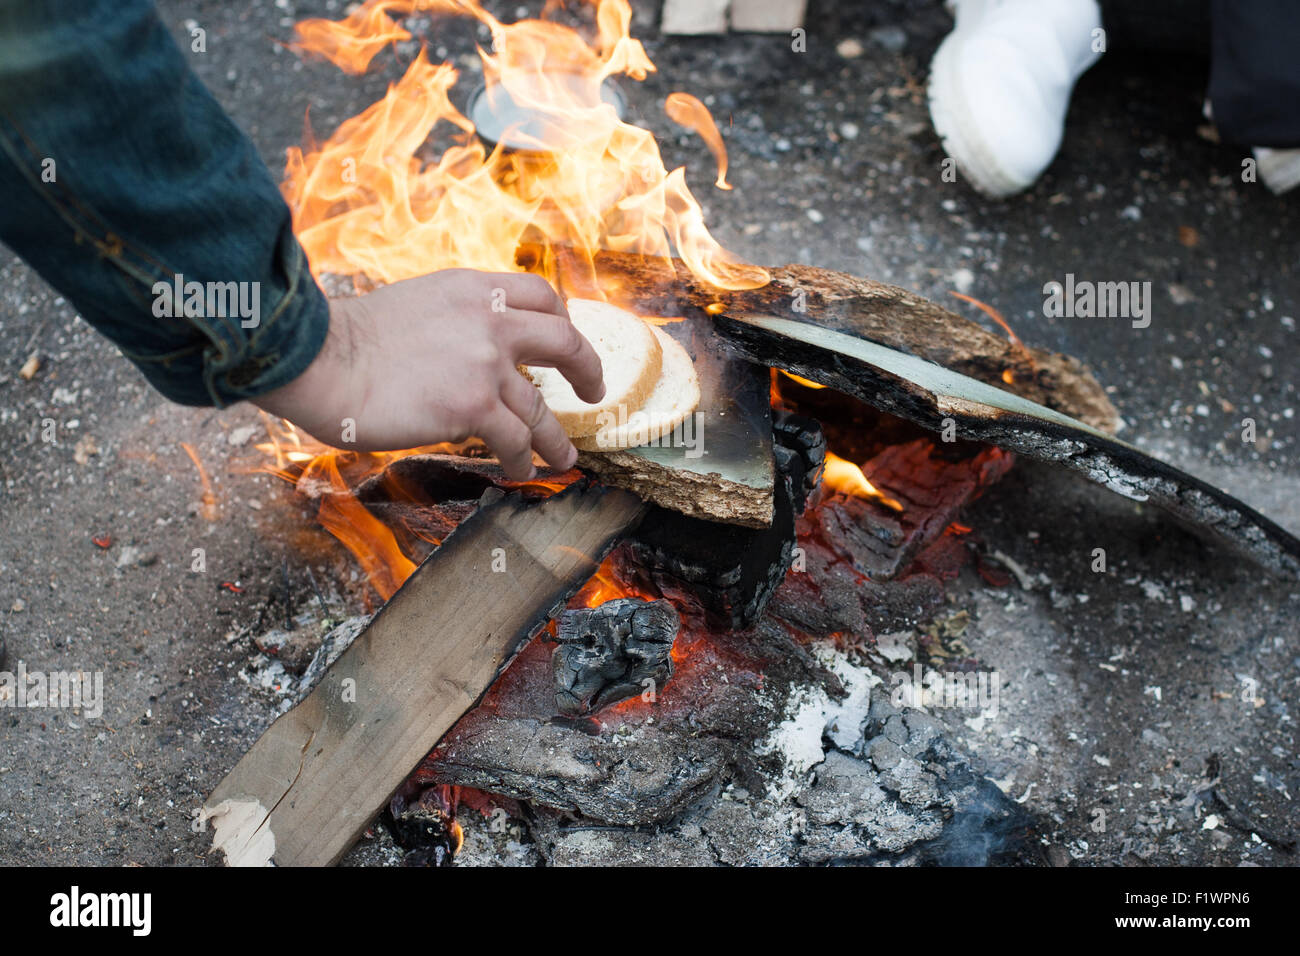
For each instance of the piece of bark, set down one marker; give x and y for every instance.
(607, 653)
(313, 782)
(718, 466)
(690, 493)
(872, 310)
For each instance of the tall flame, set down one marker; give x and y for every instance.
(375, 204)
(685, 110)
(366, 202)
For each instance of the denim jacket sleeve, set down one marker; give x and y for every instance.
(124, 183)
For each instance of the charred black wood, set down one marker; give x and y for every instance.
(612, 652)
(869, 535)
(442, 477)
(932, 489)
(1120, 467)
(800, 453)
(702, 732)
(419, 529)
(734, 570)
(423, 498)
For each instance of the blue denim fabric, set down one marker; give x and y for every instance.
(151, 179)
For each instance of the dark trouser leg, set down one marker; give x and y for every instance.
(1176, 26)
(1255, 72)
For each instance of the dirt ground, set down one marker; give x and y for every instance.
(1118, 687)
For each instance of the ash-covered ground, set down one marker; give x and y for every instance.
(1145, 714)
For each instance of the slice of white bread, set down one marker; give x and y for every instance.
(631, 356)
(676, 395)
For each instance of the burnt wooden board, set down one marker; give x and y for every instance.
(313, 782)
(1073, 428)
(931, 396)
(867, 309)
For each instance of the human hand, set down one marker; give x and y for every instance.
(434, 358)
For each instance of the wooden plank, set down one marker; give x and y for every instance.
(312, 783)
(931, 396)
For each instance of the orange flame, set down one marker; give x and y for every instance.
(847, 478)
(367, 203)
(775, 394)
(685, 110)
(368, 538)
(351, 43)
(208, 507)
(290, 447)
(566, 176)
(1008, 375)
(607, 584)
(314, 469)
(806, 383)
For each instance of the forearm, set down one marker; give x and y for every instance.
(120, 174)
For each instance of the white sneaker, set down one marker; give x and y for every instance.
(1279, 169)
(1000, 85)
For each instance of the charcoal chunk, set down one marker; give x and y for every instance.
(423, 823)
(606, 654)
(800, 453)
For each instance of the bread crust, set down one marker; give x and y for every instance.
(580, 419)
(676, 395)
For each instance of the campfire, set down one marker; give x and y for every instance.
(718, 599)
(683, 647)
